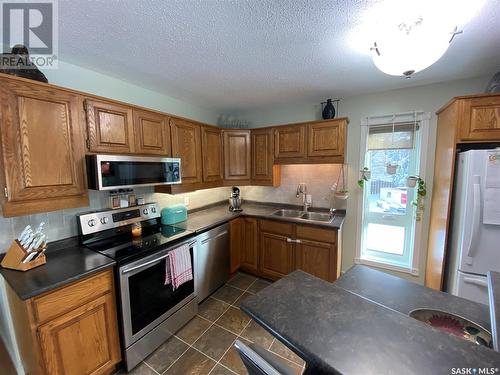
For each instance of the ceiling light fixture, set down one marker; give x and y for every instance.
(411, 47)
(407, 36)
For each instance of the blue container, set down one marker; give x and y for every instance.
(174, 214)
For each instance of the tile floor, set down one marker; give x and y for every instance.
(205, 344)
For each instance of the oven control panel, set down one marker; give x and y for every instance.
(97, 221)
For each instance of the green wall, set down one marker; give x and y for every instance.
(86, 80)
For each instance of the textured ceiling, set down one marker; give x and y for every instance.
(236, 54)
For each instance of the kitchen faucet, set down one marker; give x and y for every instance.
(302, 189)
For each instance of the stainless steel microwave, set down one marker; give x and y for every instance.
(109, 172)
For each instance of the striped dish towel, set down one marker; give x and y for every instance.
(178, 268)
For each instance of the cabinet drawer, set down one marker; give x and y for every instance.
(269, 226)
(69, 297)
(316, 234)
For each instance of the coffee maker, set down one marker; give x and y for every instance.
(235, 200)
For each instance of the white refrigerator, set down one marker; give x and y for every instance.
(474, 247)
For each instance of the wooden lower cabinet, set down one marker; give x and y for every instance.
(276, 255)
(244, 245)
(317, 258)
(235, 243)
(82, 341)
(250, 251)
(76, 337)
(273, 249)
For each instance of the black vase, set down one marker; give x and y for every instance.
(329, 110)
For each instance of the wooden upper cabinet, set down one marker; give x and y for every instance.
(152, 133)
(237, 155)
(326, 138)
(290, 142)
(186, 144)
(481, 119)
(211, 149)
(110, 127)
(264, 172)
(42, 148)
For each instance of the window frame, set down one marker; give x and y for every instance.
(424, 120)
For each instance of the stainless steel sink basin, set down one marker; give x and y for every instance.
(454, 325)
(317, 216)
(288, 213)
(304, 216)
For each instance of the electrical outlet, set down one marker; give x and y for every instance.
(186, 201)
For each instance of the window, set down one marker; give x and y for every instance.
(388, 234)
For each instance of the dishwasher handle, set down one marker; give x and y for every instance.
(213, 238)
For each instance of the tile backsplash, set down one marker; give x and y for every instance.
(62, 224)
(318, 177)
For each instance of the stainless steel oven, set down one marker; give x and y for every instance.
(152, 311)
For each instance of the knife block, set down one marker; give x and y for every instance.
(14, 258)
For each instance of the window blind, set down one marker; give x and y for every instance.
(392, 137)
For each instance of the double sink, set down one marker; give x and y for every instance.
(305, 216)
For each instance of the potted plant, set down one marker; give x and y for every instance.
(411, 181)
(365, 175)
(418, 202)
(341, 194)
(391, 168)
(340, 187)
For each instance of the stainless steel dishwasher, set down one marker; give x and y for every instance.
(212, 261)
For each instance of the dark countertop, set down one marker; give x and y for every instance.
(494, 299)
(201, 220)
(337, 331)
(67, 262)
(404, 296)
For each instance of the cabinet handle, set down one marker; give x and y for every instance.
(292, 240)
(289, 240)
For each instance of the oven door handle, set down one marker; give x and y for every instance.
(151, 261)
(145, 264)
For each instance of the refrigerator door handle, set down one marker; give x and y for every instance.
(476, 218)
(477, 282)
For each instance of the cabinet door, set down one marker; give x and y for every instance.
(481, 119)
(212, 154)
(82, 341)
(317, 258)
(249, 253)
(326, 139)
(237, 155)
(236, 242)
(263, 157)
(42, 148)
(152, 135)
(276, 255)
(186, 144)
(110, 127)
(290, 142)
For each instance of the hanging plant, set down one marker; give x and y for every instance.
(340, 187)
(418, 202)
(365, 175)
(391, 168)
